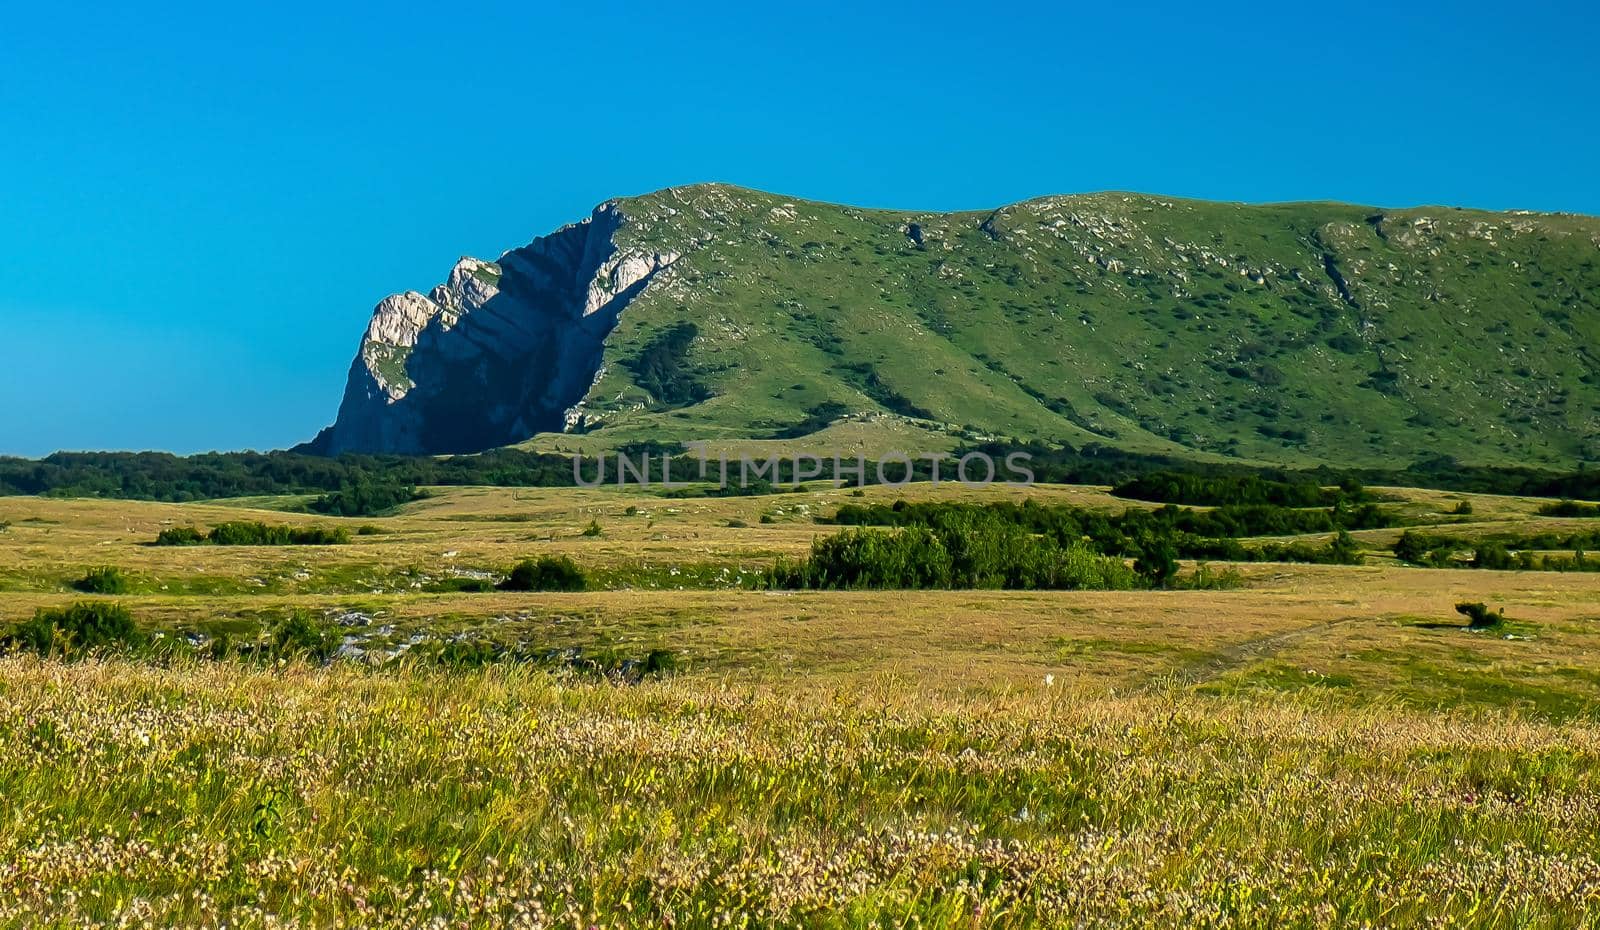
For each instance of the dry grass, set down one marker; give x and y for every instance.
(1323, 747)
(213, 794)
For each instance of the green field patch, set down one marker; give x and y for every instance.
(678, 576)
(1441, 685)
(1274, 675)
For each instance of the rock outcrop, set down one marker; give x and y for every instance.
(498, 352)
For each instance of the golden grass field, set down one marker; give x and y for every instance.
(1320, 746)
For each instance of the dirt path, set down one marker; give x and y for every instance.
(1240, 654)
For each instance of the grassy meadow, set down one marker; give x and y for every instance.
(1310, 746)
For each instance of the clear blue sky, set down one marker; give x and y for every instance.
(199, 206)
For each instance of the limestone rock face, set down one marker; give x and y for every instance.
(499, 351)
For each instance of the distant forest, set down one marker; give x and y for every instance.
(165, 477)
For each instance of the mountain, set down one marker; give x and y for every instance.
(1290, 333)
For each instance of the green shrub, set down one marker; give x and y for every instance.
(855, 559)
(1412, 548)
(1480, 617)
(302, 633)
(1157, 563)
(1344, 550)
(1443, 558)
(1492, 555)
(593, 529)
(1079, 568)
(180, 536)
(659, 662)
(462, 586)
(103, 581)
(546, 573)
(74, 631)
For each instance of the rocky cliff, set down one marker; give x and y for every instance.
(1291, 333)
(501, 350)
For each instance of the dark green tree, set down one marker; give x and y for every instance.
(1412, 548)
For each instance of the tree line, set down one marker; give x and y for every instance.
(1136, 532)
(1036, 546)
(167, 477)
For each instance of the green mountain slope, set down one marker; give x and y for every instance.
(1288, 333)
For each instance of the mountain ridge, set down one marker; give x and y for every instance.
(1301, 332)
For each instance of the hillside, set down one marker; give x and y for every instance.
(1295, 333)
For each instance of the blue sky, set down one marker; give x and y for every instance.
(199, 206)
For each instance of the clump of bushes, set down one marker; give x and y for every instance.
(546, 573)
(1221, 490)
(1341, 550)
(1569, 508)
(1480, 617)
(593, 529)
(956, 553)
(1493, 555)
(462, 586)
(1413, 548)
(254, 533)
(75, 631)
(1010, 542)
(303, 634)
(1157, 563)
(1506, 553)
(908, 558)
(661, 367)
(365, 499)
(242, 533)
(180, 536)
(103, 581)
(1188, 533)
(219, 646)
